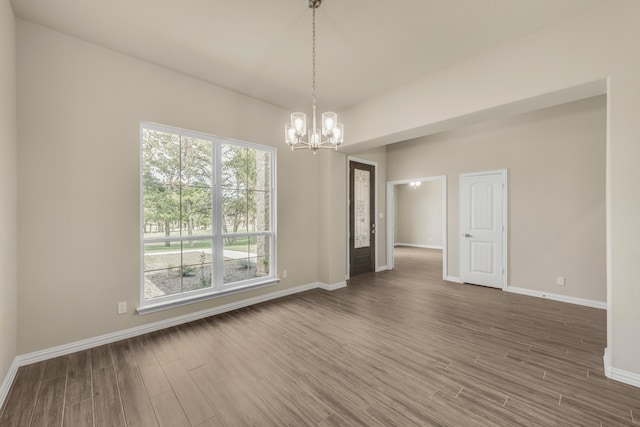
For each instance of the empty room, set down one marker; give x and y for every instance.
(322, 213)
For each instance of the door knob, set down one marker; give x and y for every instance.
(467, 235)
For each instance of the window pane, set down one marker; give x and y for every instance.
(260, 267)
(235, 166)
(161, 211)
(196, 265)
(196, 166)
(260, 177)
(259, 251)
(362, 225)
(235, 211)
(236, 247)
(259, 246)
(158, 256)
(259, 210)
(246, 258)
(196, 211)
(236, 258)
(161, 269)
(160, 176)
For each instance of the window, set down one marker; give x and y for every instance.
(206, 216)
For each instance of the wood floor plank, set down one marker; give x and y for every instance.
(155, 380)
(135, 399)
(288, 408)
(189, 347)
(49, 403)
(194, 404)
(122, 355)
(56, 367)
(101, 357)
(79, 413)
(211, 422)
(162, 347)
(78, 378)
(137, 407)
(290, 383)
(106, 397)
(334, 420)
(399, 347)
(168, 410)
(223, 396)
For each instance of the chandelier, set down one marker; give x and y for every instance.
(332, 133)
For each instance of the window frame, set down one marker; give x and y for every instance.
(218, 287)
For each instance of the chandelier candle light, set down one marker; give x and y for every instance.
(332, 133)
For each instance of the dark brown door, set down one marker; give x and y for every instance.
(362, 222)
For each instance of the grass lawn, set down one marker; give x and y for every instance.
(240, 244)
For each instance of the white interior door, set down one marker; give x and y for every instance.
(483, 228)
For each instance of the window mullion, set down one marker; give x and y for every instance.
(217, 260)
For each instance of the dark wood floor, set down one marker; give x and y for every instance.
(396, 348)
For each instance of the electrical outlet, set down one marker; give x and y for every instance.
(560, 281)
(284, 274)
(122, 307)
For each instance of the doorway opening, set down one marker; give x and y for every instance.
(411, 216)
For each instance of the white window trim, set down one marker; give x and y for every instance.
(218, 289)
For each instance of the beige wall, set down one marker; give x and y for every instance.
(556, 177)
(8, 191)
(379, 156)
(333, 192)
(592, 53)
(418, 216)
(79, 109)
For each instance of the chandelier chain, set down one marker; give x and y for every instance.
(313, 56)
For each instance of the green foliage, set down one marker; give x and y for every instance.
(188, 271)
(244, 264)
(238, 178)
(177, 180)
(205, 279)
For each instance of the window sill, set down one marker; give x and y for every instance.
(165, 305)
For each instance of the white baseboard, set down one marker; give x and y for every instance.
(381, 268)
(619, 374)
(8, 380)
(61, 350)
(332, 287)
(607, 362)
(556, 297)
(413, 245)
(453, 279)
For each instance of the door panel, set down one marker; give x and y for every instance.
(361, 218)
(482, 226)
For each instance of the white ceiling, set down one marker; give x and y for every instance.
(262, 48)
